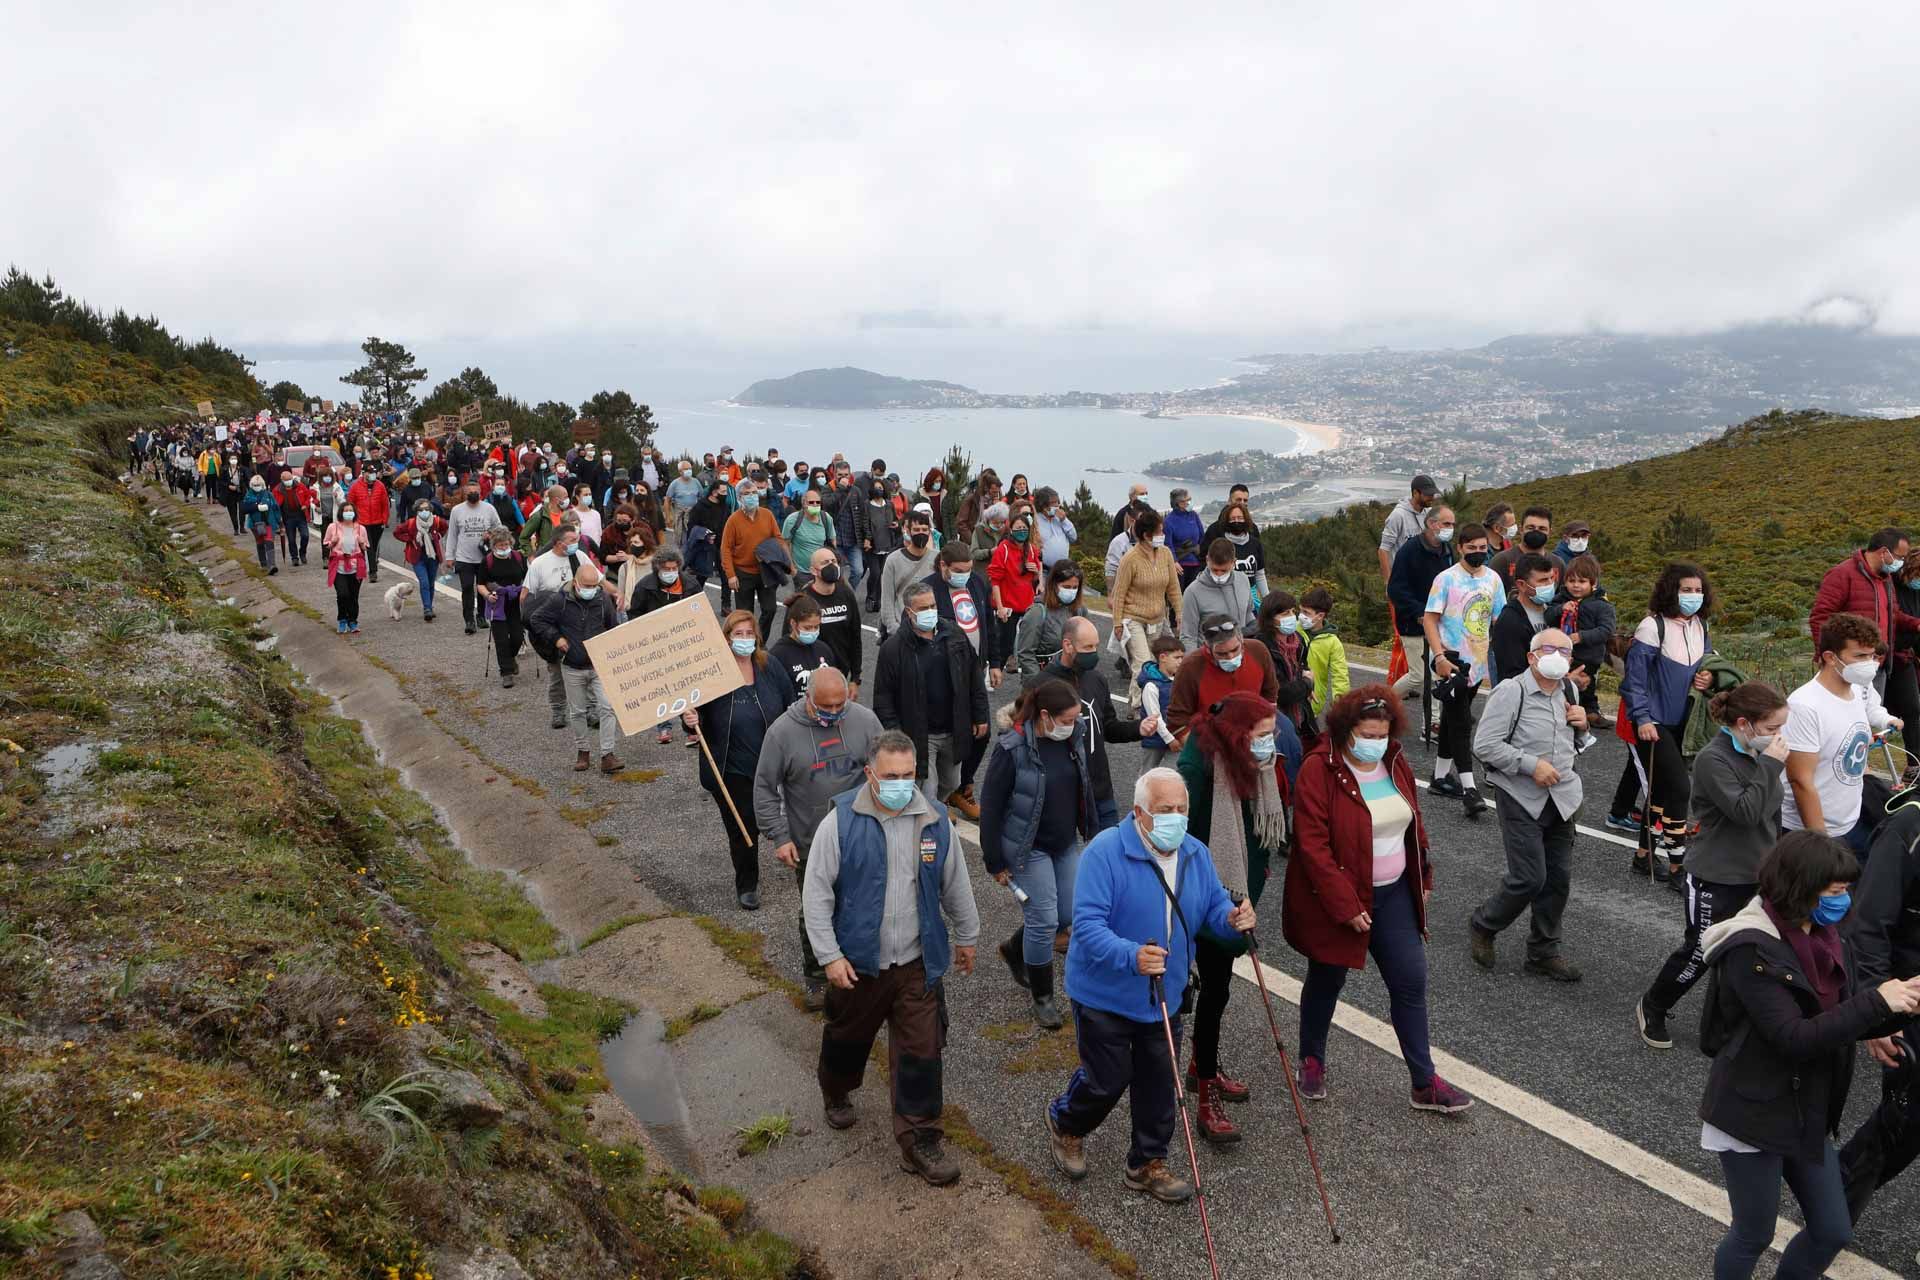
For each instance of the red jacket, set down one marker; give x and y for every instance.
(1852, 586)
(409, 530)
(1330, 875)
(1201, 682)
(294, 500)
(370, 500)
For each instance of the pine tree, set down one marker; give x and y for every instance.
(388, 375)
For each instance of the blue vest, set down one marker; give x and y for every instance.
(1019, 752)
(860, 890)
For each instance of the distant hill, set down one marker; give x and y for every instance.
(849, 388)
(1766, 508)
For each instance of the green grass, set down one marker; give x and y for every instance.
(765, 1133)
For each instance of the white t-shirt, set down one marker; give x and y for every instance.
(1169, 864)
(1834, 730)
(548, 572)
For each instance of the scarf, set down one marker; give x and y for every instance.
(1228, 839)
(1820, 955)
(423, 533)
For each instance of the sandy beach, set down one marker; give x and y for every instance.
(1322, 436)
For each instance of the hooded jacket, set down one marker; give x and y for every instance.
(900, 701)
(1204, 596)
(804, 765)
(1330, 875)
(371, 500)
(1781, 1067)
(563, 614)
(1013, 794)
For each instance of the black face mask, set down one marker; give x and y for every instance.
(829, 573)
(917, 540)
(1533, 539)
(1236, 527)
(1475, 559)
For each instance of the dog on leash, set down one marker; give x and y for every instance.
(397, 596)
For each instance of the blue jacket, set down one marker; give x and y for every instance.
(1013, 793)
(1118, 905)
(257, 509)
(860, 890)
(1184, 531)
(1415, 566)
(1656, 687)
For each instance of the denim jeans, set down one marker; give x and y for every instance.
(1753, 1189)
(1047, 879)
(1396, 946)
(426, 571)
(295, 532)
(856, 558)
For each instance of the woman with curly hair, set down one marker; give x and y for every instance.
(1663, 670)
(1358, 883)
(1237, 786)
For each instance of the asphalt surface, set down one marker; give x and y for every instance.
(1482, 1194)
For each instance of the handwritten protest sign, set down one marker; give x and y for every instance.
(470, 414)
(204, 408)
(496, 431)
(586, 429)
(326, 406)
(664, 663)
(220, 432)
(296, 406)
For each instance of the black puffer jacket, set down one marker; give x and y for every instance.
(899, 698)
(1884, 925)
(563, 613)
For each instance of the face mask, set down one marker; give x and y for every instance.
(807, 637)
(1368, 750)
(1553, 666)
(1086, 661)
(1543, 594)
(287, 481)
(1019, 535)
(959, 579)
(1758, 742)
(813, 512)
(1289, 624)
(829, 573)
(1160, 540)
(1230, 664)
(926, 619)
(1533, 540)
(1690, 602)
(1892, 567)
(1060, 732)
(1262, 748)
(748, 501)
(1237, 527)
(1446, 535)
(827, 717)
(1309, 623)
(669, 576)
(1860, 674)
(917, 540)
(1067, 595)
(743, 646)
(894, 793)
(1576, 545)
(1169, 829)
(258, 486)
(584, 500)
(685, 470)
(347, 515)
(1220, 579)
(472, 498)
(1831, 908)
(1475, 559)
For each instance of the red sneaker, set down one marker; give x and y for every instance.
(1442, 1097)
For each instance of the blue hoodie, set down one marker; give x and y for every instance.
(1118, 905)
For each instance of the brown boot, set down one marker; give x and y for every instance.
(1215, 1125)
(611, 763)
(963, 802)
(583, 762)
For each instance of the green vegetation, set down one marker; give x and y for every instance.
(1766, 509)
(239, 1032)
(387, 377)
(767, 1132)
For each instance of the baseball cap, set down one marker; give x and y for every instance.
(1424, 484)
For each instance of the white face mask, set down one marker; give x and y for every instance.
(1159, 539)
(1060, 732)
(1552, 666)
(1860, 674)
(1576, 545)
(1220, 579)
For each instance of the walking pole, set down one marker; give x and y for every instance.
(1653, 755)
(1426, 701)
(1158, 990)
(1286, 1069)
(738, 821)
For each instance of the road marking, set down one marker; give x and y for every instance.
(1589, 1139)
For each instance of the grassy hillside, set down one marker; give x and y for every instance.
(43, 371)
(236, 1027)
(1765, 509)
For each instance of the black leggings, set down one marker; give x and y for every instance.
(1672, 786)
(507, 634)
(1707, 904)
(744, 849)
(1214, 964)
(346, 596)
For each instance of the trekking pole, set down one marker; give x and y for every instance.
(1286, 1069)
(1426, 701)
(1157, 989)
(1653, 755)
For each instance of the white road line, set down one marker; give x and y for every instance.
(1589, 1139)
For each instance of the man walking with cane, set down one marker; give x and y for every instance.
(1141, 883)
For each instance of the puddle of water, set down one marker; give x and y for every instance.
(67, 763)
(639, 1068)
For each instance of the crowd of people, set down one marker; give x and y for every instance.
(1797, 866)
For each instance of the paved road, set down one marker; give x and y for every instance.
(1536, 1189)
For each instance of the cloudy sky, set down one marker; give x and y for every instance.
(312, 173)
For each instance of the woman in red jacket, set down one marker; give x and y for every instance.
(1013, 571)
(424, 535)
(1358, 882)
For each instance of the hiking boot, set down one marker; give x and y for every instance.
(593, 720)
(506, 682)
(1016, 964)
(1047, 1013)
(1558, 968)
(1313, 1080)
(963, 802)
(749, 900)
(1229, 1089)
(469, 628)
(1158, 1181)
(1653, 1025)
(1442, 1097)
(611, 764)
(928, 1157)
(815, 998)
(1446, 786)
(583, 761)
(1069, 1152)
(559, 720)
(1472, 802)
(1480, 946)
(1215, 1125)
(839, 1111)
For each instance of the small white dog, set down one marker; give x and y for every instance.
(397, 596)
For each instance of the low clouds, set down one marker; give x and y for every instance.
(433, 171)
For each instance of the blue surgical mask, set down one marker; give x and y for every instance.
(1169, 829)
(1368, 750)
(1690, 602)
(1446, 535)
(589, 593)
(743, 646)
(1230, 664)
(895, 793)
(959, 579)
(1068, 595)
(926, 619)
(1832, 908)
(1262, 748)
(828, 717)
(807, 637)
(1289, 624)
(1543, 594)
(1893, 566)
(748, 501)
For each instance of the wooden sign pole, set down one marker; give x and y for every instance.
(725, 795)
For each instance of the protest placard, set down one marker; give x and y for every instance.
(586, 429)
(204, 408)
(470, 415)
(326, 406)
(664, 663)
(220, 432)
(296, 406)
(496, 431)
